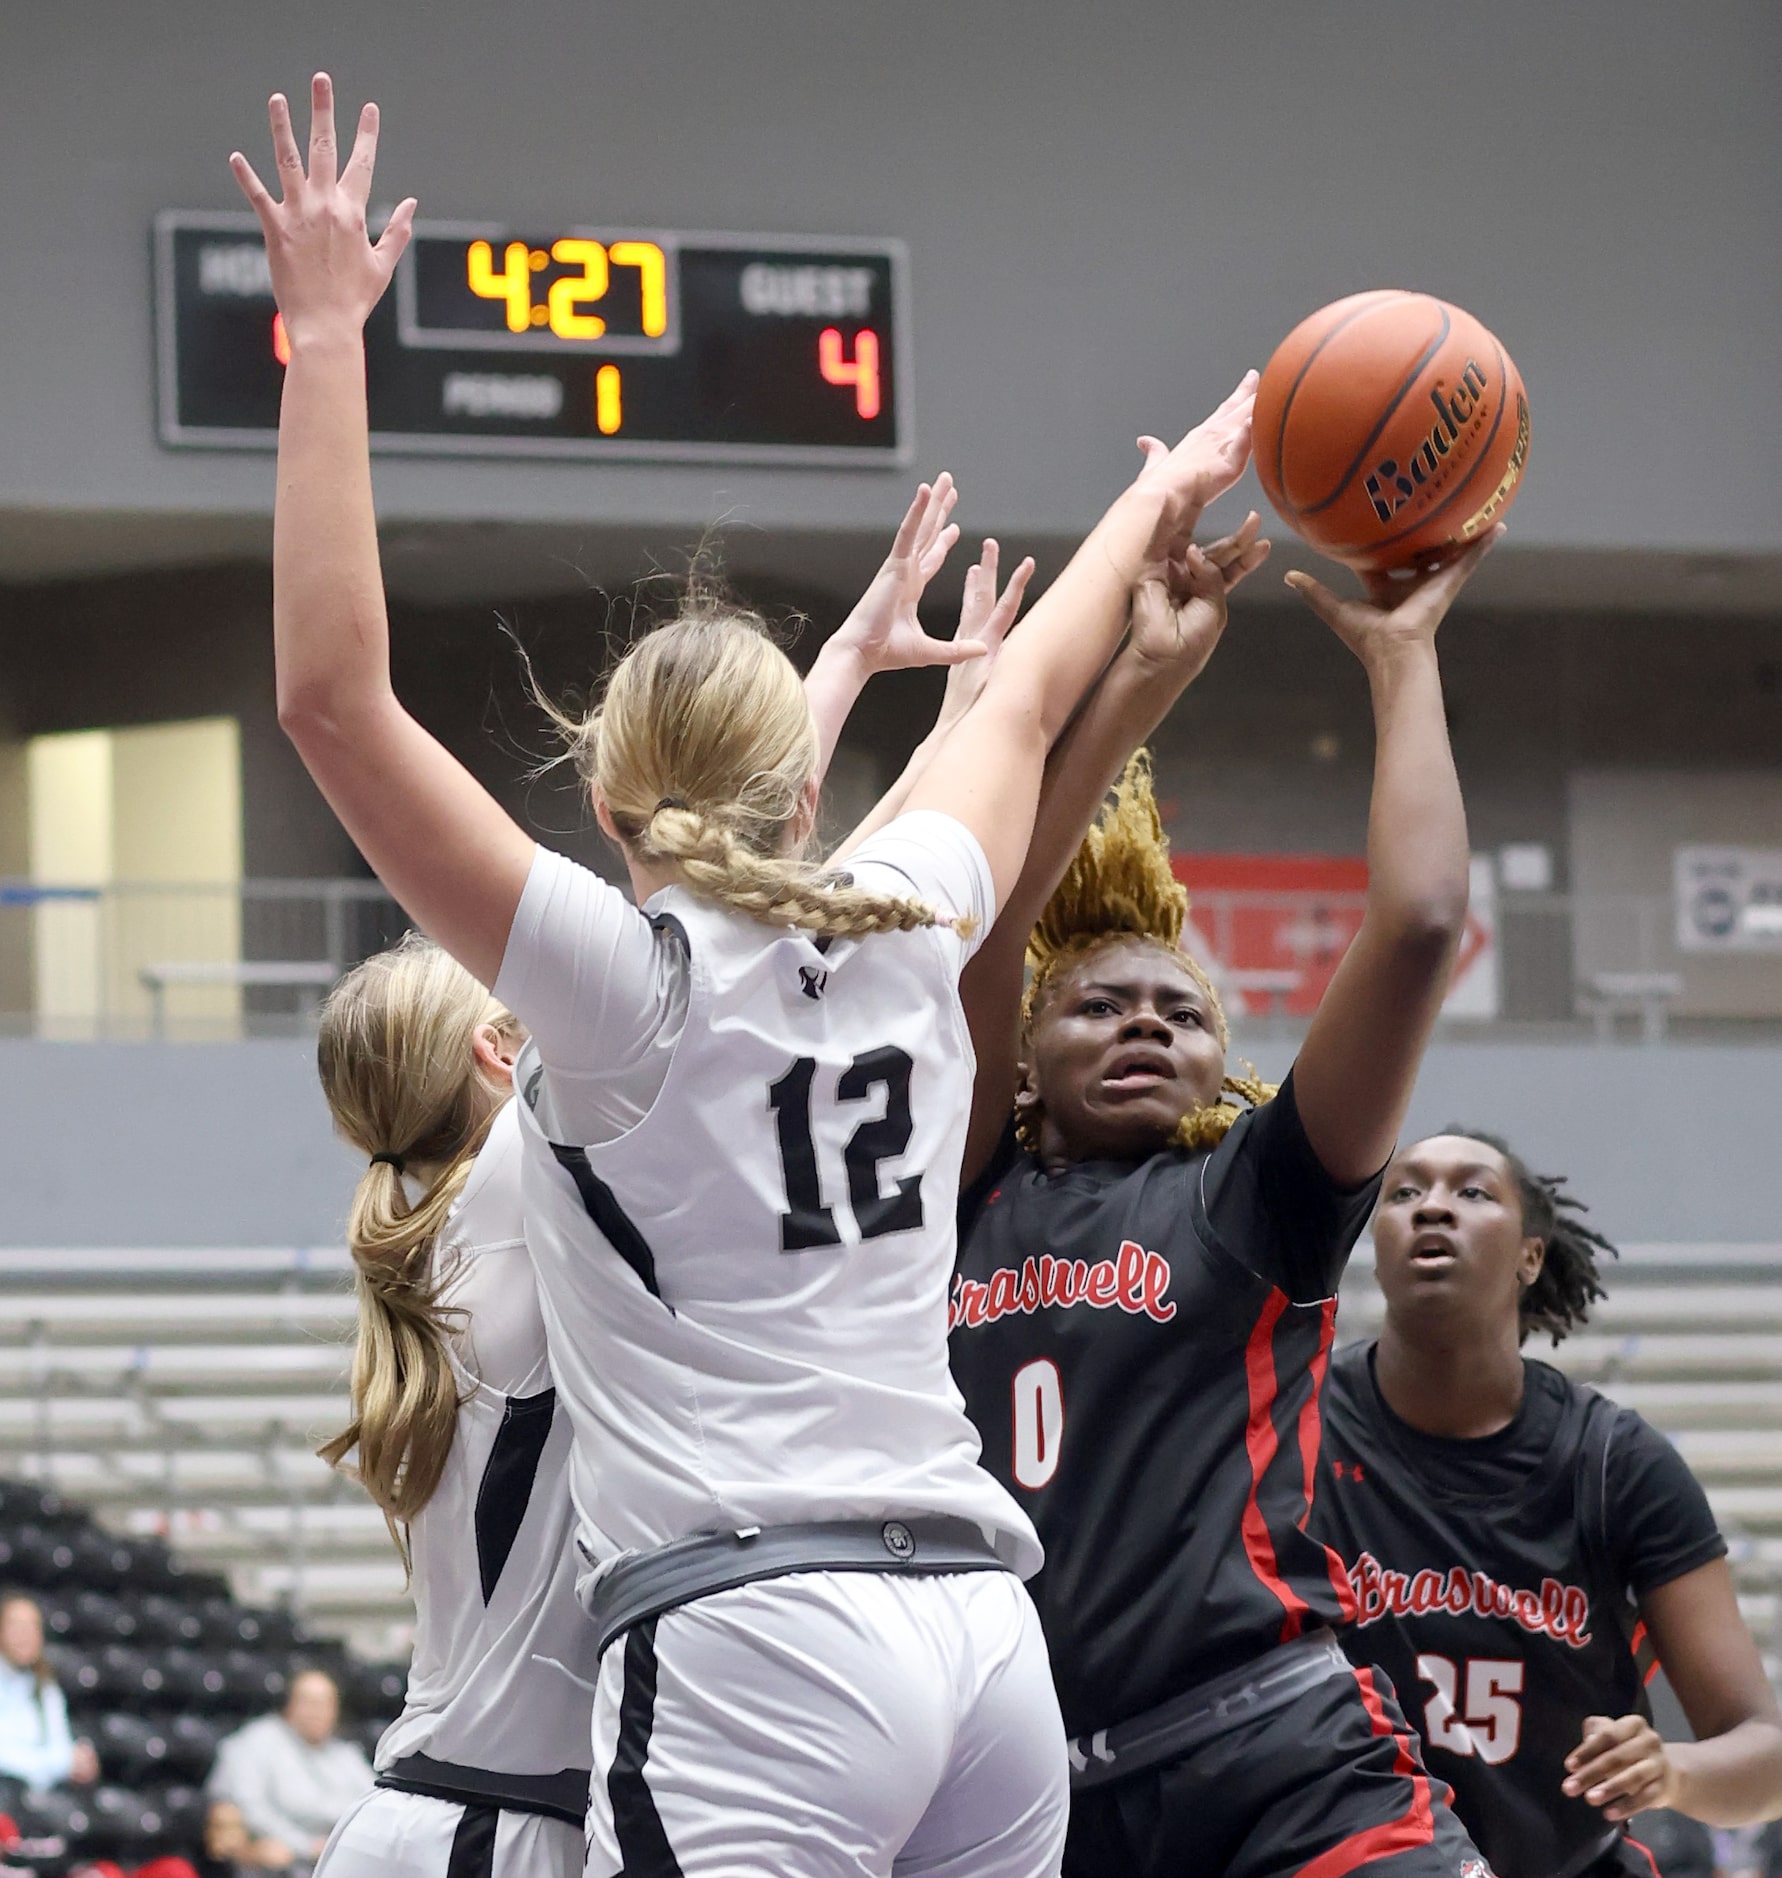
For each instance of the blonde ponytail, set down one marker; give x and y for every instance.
(400, 1075)
(703, 749)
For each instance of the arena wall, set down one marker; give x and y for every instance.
(1110, 213)
(228, 1145)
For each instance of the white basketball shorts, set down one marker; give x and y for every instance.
(410, 1835)
(832, 1725)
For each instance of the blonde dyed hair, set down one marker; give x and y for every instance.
(399, 1070)
(702, 749)
(1120, 888)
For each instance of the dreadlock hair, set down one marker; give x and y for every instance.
(701, 748)
(1559, 1300)
(1120, 887)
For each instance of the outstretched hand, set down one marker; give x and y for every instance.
(1178, 613)
(327, 273)
(1175, 485)
(1396, 610)
(883, 631)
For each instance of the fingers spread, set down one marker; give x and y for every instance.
(356, 177)
(909, 530)
(251, 186)
(284, 146)
(397, 231)
(1012, 595)
(935, 553)
(950, 651)
(322, 153)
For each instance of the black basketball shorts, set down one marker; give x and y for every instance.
(1331, 1783)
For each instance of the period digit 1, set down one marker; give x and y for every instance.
(513, 284)
(861, 371)
(609, 413)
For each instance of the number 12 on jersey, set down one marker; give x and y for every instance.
(807, 1223)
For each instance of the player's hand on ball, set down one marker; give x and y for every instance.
(327, 273)
(883, 631)
(1396, 611)
(1178, 614)
(1621, 1766)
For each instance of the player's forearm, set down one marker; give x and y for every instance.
(1416, 837)
(832, 687)
(330, 631)
(1074, 627)
(1733, 1779)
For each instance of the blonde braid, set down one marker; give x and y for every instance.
(775, 889)
(702, 749)
(1120, 887)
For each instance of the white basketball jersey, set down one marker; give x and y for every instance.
(493, 1549)
(746, 1294)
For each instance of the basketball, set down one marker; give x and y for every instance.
(1391, 429)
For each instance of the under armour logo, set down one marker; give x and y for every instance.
(1347, 1470)
(1098, 1747)
(811, 981)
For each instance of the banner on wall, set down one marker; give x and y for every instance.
(1728, 899)
(1272, 928)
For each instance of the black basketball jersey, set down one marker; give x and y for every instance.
(1141, 1349)
(1495, 1581)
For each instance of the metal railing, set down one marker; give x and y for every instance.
(196, 961)
(191, 960)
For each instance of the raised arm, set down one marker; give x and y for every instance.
(988, 773)
(984, 621)
(883, 632)
(1731, 1773)
(1177, 621)
(1354, 1073)
(433, 835)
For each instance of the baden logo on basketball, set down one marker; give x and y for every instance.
(1389, 488)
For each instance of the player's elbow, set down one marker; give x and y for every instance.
(318, 718)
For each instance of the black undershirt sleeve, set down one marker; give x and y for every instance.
(1274, 1207)
(1659, 1523)
(972, 1198)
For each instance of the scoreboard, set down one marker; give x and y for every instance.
(587, 342)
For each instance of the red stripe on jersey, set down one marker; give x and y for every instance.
(1311, 1425)
(1638, 1637)
(1415, 1826)
(1311, 1433)
(1261, 1442)
(1645, 1854)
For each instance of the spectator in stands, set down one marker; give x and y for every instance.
(229, 1845)
(290, 1777)
(36, 1744)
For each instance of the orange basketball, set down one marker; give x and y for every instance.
(1391, 428)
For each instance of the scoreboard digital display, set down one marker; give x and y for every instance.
(585, 343)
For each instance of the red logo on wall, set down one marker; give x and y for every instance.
(1271, 929)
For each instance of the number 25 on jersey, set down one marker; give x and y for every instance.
(1491, 1724)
